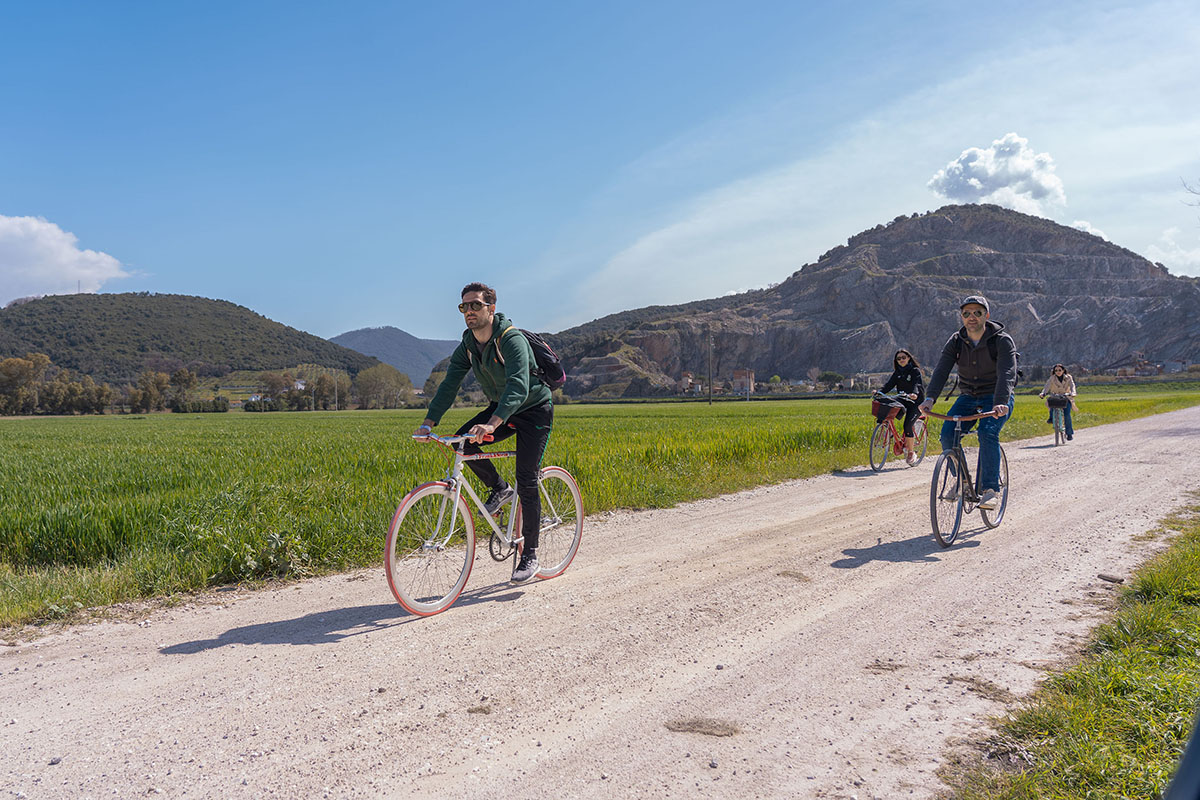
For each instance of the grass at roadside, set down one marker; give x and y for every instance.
(1115, 724)
(99, 510)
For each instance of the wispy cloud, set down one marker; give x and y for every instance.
(1087, 227)
(1009, 173)
(38, 257)
(1179, 257)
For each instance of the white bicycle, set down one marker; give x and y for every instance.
(431, 541)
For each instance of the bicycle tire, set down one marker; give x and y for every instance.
(995, 516)
(562, 521)
(920, 440)
(428, 563)
(1060, 435)
(881, 444)
(945, 515)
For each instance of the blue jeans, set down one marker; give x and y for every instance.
(1066, 420)
(989, 436)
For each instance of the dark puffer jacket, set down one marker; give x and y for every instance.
(978, 373)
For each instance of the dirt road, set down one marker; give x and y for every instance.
(816, 621)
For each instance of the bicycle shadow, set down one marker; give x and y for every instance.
(335, 625)
(1049, 446)
(922, 548)
(860, 472)
(863, 472)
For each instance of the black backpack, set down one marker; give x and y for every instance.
(549, 369)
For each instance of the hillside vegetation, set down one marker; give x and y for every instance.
(116, 337)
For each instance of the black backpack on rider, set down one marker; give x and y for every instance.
(548, 366)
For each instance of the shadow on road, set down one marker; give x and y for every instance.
(917, 549)
(328, 627)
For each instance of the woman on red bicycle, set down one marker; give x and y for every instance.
(906, 380)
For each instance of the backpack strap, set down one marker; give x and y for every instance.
(498, 339)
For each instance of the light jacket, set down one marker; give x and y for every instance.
(1055, 385)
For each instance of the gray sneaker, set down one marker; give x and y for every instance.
(989, 500)
(526, 569)
(498, 498)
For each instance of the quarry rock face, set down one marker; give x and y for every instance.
(1064, 295)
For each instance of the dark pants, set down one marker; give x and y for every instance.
(911, 414)
(532, 427)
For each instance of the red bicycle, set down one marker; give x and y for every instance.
(887, 439)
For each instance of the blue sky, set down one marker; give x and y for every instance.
(334, 166)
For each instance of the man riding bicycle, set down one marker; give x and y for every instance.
(503, 363)
(986, 358)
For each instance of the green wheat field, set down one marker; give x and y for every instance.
(98, 510)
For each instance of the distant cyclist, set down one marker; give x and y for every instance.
(503, 363)
(986, 358)
(906, 379)
(1061, 382)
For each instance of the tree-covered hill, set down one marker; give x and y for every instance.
(114, 337)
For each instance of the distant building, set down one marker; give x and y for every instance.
(743, 381)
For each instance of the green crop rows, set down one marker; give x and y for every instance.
(98, 510)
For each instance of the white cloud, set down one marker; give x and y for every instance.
(1177, 257)
(38, 257)
(1087, 227)
(1123, 167)
(1009, 173)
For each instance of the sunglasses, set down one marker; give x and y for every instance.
(975, 312)
(473, 305)
(902, 357)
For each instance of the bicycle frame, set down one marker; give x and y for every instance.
(454, 479)
(957, 451)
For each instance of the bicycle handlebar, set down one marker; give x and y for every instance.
(959, 417)
(448, 441)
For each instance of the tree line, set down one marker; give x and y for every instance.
(34, 385)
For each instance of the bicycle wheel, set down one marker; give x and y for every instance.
(881, 444)
(920, 440)
(1060, 429)
(562, 521)
(992, 518)
(946, 499)
(429, 557)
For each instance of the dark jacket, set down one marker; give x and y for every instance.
(906, 379)
(509, 384)
(978, 374)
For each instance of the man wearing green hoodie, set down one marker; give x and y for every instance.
(520, 403)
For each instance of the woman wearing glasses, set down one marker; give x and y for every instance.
(1061, 382)
(906, 380)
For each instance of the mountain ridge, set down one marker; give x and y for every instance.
(1065, 294)
(411, 355)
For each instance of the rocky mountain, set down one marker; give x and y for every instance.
(114, 337)
(412, 356)
(1063, 294)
